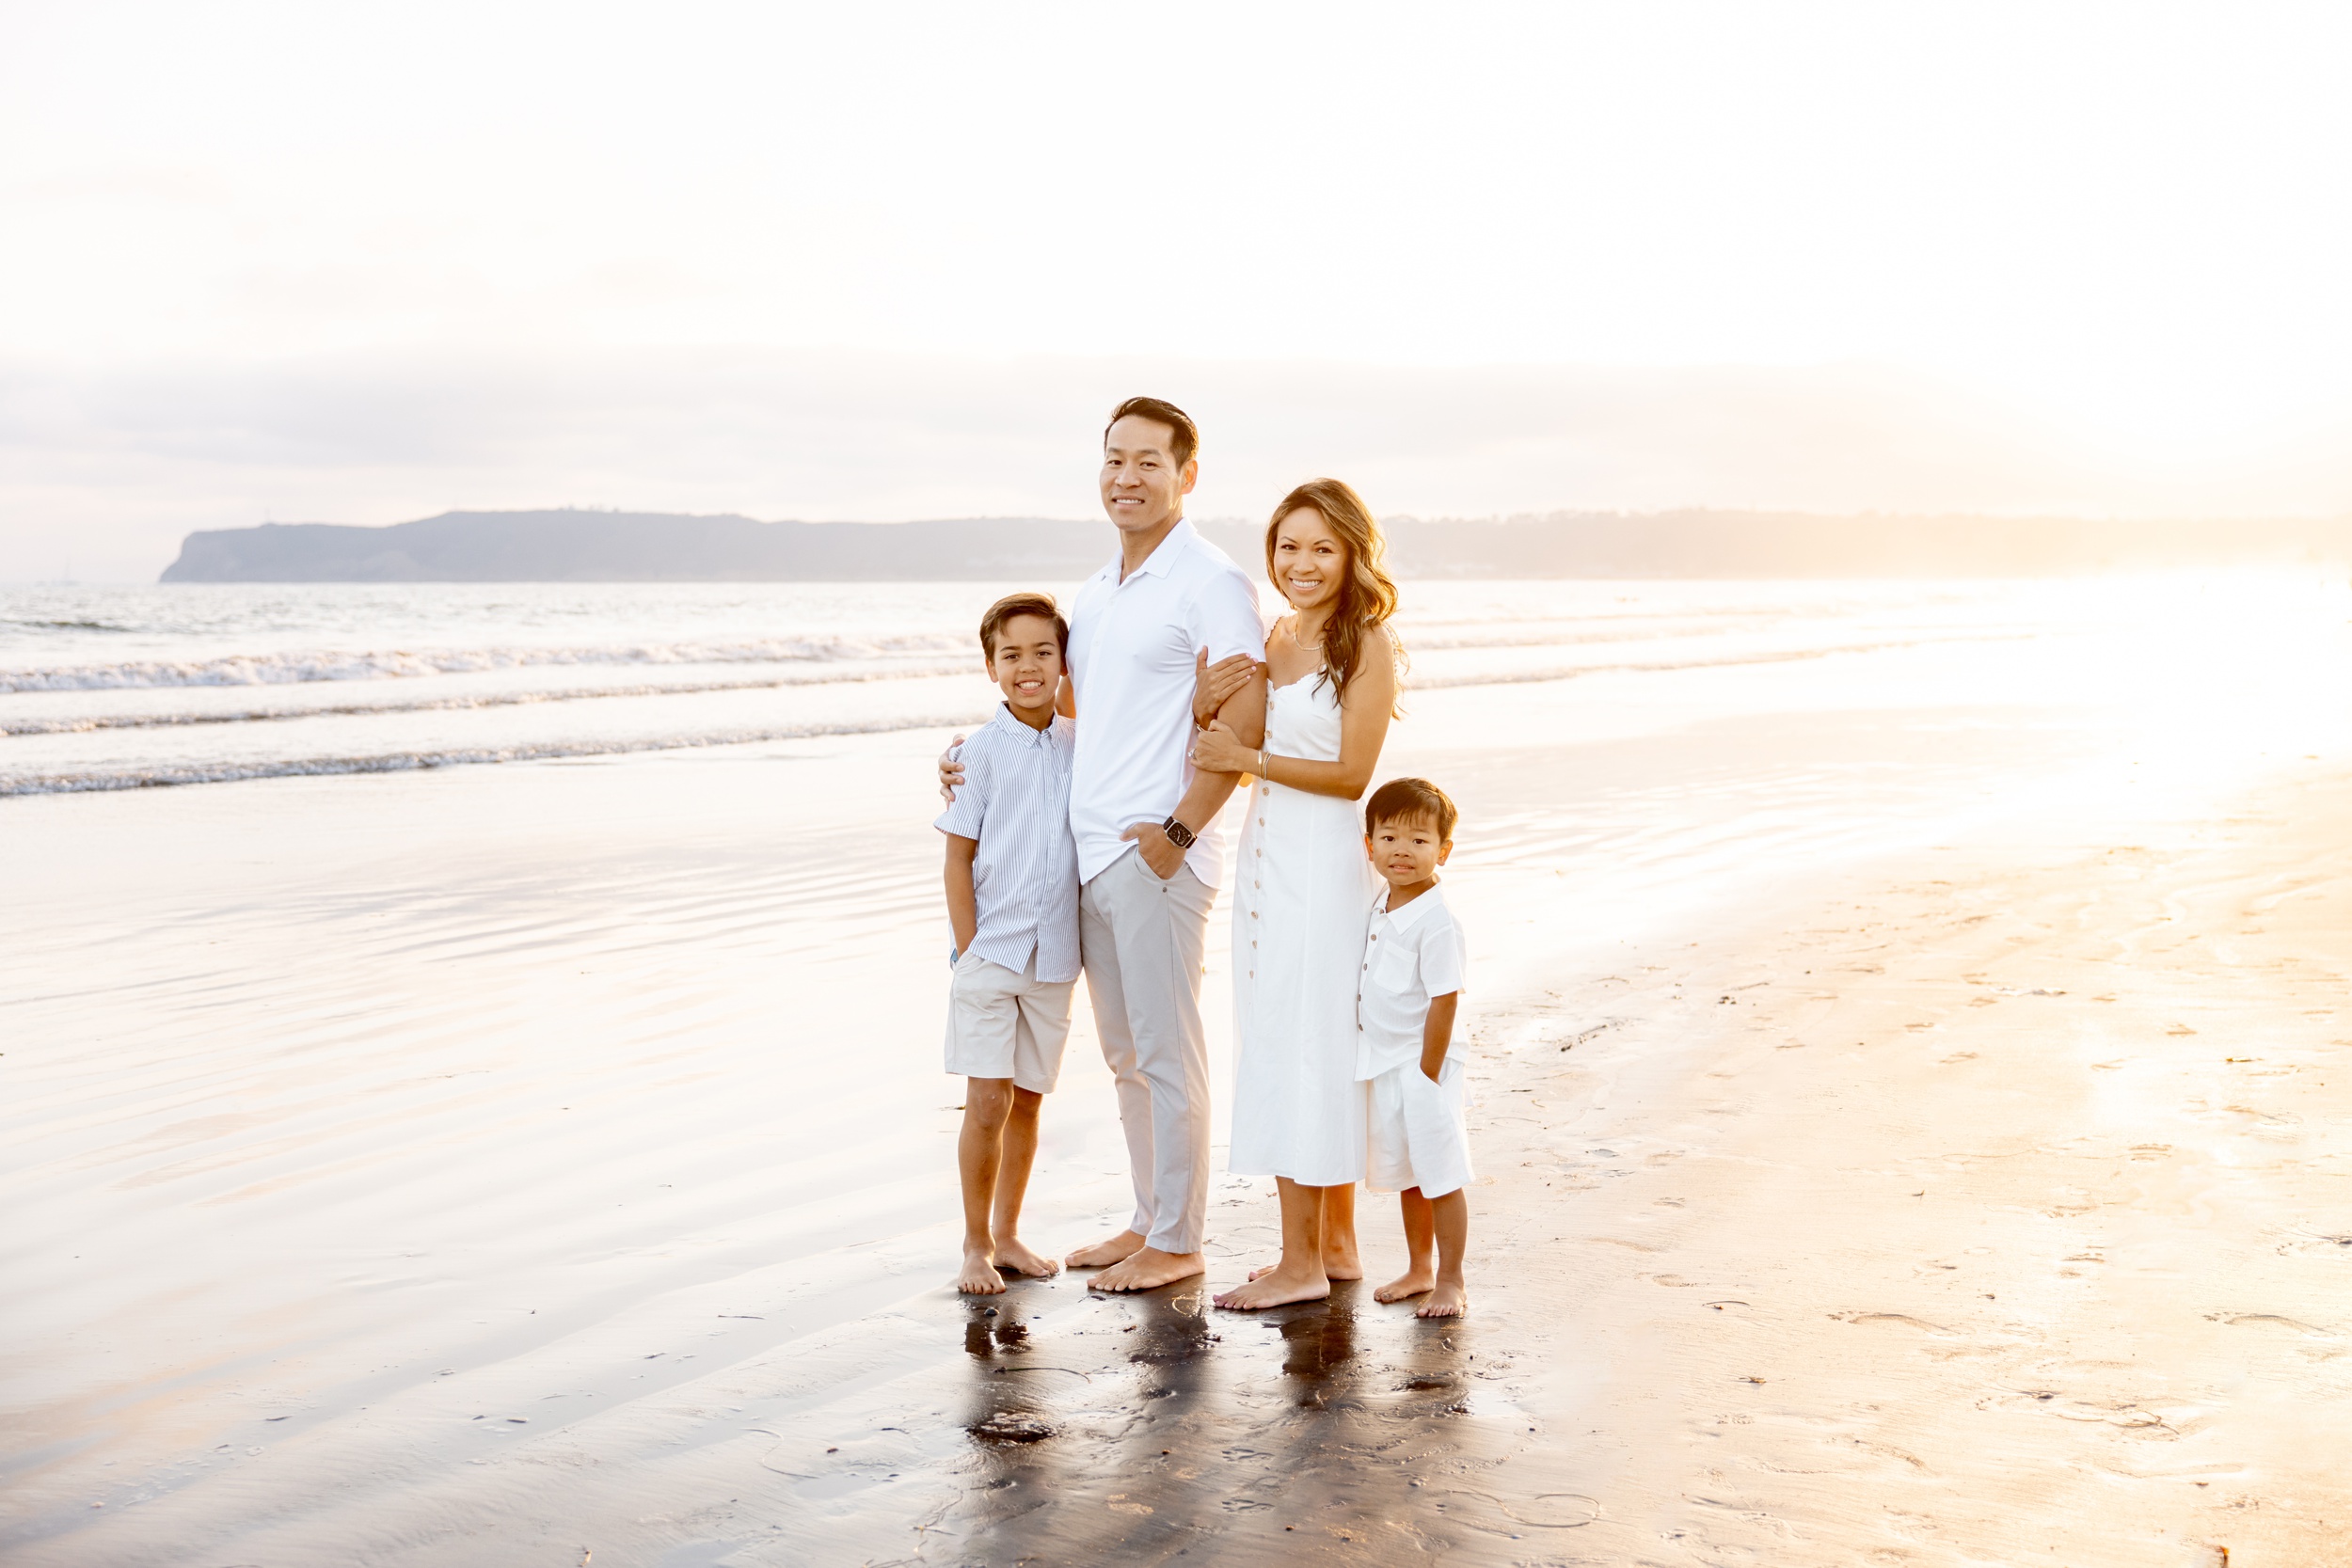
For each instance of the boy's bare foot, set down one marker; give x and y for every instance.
(1276, 1286)
(1412, 1282)
(1016, 1258)
(1101, 1255)
(980, 1277)
(1445, 1301)
(1148, 1269)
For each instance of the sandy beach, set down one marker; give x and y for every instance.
(1906, 1092)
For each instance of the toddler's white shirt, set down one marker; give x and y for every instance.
(1409, 957)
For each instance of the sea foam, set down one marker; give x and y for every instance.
(299, 668)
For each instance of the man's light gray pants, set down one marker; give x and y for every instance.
(1141, 941)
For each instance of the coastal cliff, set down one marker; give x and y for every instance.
(644, 546)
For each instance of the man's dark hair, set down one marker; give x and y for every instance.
(1040, 605)
(1412, 801)
(1186, 437)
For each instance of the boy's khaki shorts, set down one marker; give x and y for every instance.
(1001, 1024)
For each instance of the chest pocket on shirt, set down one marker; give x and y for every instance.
(1393, 965)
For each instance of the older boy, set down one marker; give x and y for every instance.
(1013, 901)
(1408, 989)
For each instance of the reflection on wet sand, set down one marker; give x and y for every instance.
(1154, 1424)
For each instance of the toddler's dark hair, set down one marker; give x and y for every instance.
(1040, 605)
(1412, 801)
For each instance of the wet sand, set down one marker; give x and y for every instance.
(1989, 1214)
(1905, 1089)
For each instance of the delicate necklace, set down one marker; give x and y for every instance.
(1314, 647)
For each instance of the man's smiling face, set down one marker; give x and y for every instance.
(1143, 485)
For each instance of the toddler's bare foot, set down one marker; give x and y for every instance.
(1412, 1282)
(1016, 1258)
(1148, 1269)
(980, 1277)
(1276, 1286)
(1101, 1255)
(1445, 1301)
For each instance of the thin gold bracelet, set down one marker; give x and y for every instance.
(1262, 764)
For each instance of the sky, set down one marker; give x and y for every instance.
(362, 263)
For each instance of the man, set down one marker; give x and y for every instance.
(1150, 852)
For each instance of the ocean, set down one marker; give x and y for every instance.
(105, 688)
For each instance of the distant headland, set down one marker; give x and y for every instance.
(570, 546)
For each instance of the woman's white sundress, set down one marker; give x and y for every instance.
(1303, 893)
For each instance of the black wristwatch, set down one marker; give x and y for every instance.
(1177, 833)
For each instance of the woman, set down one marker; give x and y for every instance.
(1303, 885)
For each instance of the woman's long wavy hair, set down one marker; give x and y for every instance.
(1367, 592)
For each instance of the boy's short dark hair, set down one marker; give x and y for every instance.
(1412, 801)
(1040, 605)
(1186, 437)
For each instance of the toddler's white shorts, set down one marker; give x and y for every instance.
(1418, 1139)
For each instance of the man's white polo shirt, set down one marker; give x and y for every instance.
(1015, 801)
(1131, 656)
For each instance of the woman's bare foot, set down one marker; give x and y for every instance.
(1101, 1255)
(1336, 1266)
(1447, 1300)
(980, 1277)
(1148, 1269)
(1016, 1258)
(1276, 1286)
(1412, 1282)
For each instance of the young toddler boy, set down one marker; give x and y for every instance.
(1407, 992)
(1012, 902)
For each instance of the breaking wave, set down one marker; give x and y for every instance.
(405, 762)
(299, 668)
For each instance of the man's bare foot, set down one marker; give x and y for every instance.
(1016, 1258)
(1412, 1282)
(1276, 1286)
(1101, 1255)
(1148, 1269)
(1445, 1301)
(980, 1277)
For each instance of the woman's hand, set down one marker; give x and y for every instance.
(1218, 749)
(950, 770)
(1213, 683)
